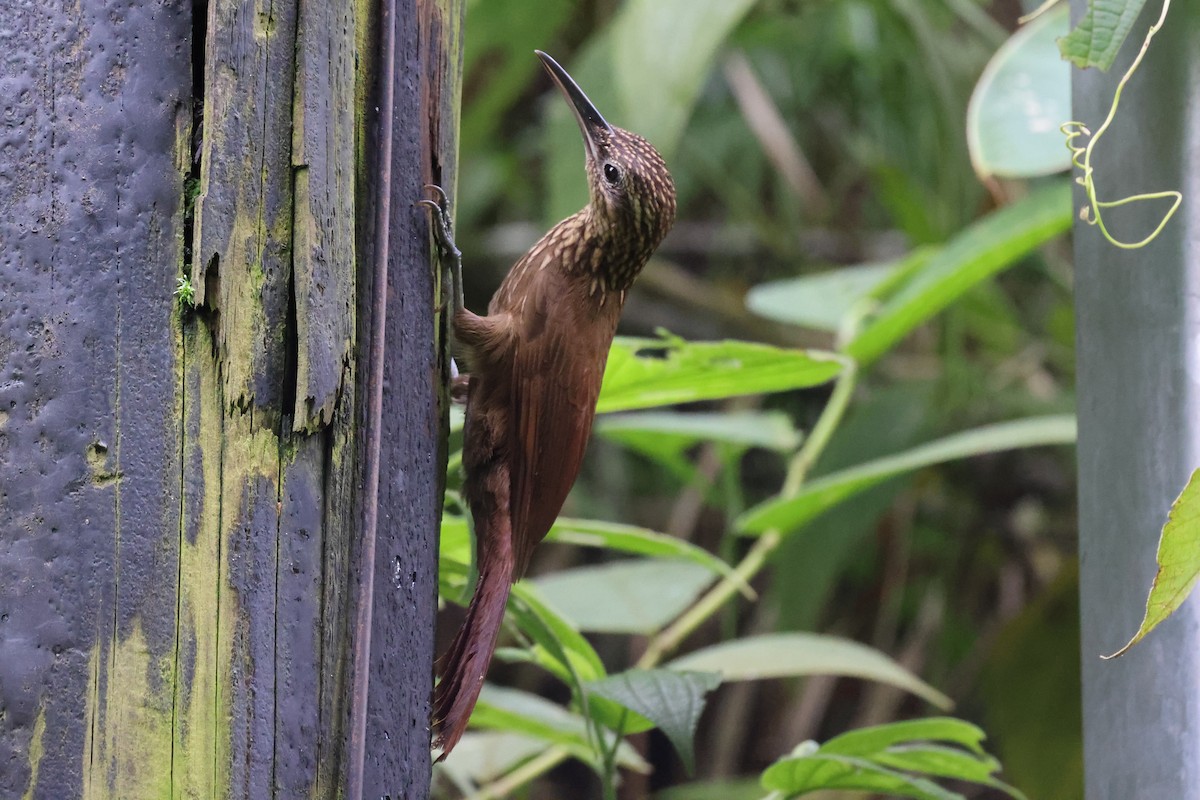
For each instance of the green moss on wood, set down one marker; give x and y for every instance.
(35, 752)
(127, 752)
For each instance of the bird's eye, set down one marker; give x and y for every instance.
(612, 174)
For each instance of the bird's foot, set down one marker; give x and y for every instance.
(443, 223)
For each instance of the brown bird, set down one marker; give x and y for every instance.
(536, 361)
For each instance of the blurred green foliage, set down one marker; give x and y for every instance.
(955, 573)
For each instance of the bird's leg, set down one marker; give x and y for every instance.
(451, 257)
(443, 234)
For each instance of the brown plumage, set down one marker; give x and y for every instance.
(536, 363)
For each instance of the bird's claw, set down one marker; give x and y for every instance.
(443, 224)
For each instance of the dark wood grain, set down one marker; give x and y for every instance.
(182, 491)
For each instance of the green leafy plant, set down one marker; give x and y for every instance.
(678, 618)
(692, 586)
(186, 292)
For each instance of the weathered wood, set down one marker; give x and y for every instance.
(412, 142)
(185, 554)
(94, 108)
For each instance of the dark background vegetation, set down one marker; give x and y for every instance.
(965, 573)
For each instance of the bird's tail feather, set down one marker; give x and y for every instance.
(466, 662)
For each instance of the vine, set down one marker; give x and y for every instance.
(1081, 157)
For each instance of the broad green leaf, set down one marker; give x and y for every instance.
(672, 700)
(454, 559)
(634, 541)
(1020, 101)
(973, 255)
(1178, 561)
(823, 300)
(795, 776)
(556, 639)
(481, 756)
(898, 758)
(877, 738)
(770, 430)
(633, 596)
(1098, 37)
(644, 373)
(788, 514)
(516, 711)
(662, 53)
(668, 436)
(783, 655)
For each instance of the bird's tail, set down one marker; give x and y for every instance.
(466, 662)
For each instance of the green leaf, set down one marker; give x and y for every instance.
(662, 53)
(1178, 561)
(770, 430)
(823, 300)
(866, 741)
(485, 755)
(793, 654)
(632, 596)
(1020, 101)
(634, 541)
(973, 255)
(1098, 37)
(644, 373)
(515, 711)
(788, 514)
(558, 645)
(896, 758)
(668, 436)
(454, 559)
(796, 776)
(672, 700)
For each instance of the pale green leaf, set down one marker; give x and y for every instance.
(633, 596)
(672, 700)
(795, 776)
(669, 436)
(897, 758)
(875, 739)
(973, 255)
(662, 52)
(482, 756)
(1020, 101)
(520, 712)
(558, 645)
(794, 654)
(1098, 37)
(634, 541)
(644, 373)
(770, 430)
(823, 300)
(788, 514)
(1178, 561)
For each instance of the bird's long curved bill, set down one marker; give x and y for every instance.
(591, 122)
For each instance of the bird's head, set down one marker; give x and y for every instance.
(632, 194)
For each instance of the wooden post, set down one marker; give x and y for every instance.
(218, 524)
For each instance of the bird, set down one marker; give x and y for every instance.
(535, 364)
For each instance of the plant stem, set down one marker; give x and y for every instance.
(523, 774)
(831, 416)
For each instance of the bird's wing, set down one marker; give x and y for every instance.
(557, 369)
